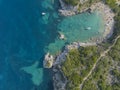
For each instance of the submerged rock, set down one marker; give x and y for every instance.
(62, 36)
(48, 61)
(35, 72)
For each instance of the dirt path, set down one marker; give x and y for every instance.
(102, 55)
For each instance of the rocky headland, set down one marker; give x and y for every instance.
(59, 79)
(48, 61)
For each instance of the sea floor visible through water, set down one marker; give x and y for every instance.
(26, 36)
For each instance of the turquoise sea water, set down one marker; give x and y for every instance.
(75, 29)
(26, 35)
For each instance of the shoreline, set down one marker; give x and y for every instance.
(108, 16)
(59, 80)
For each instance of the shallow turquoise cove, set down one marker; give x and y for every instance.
(81, 27)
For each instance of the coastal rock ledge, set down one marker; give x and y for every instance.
(69, 9)
(48, 61)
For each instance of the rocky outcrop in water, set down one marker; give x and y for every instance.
(48, 61)
(61, 36)
(59, 80)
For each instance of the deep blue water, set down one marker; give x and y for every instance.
(26, 35)
(23, 38)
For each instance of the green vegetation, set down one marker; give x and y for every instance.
(98, 76)
(72, 2)
(111, 3)
(116, 73)
(107, 66)
(78, 63)
(106, 75)
(115, 51)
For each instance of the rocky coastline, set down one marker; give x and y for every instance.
(59, 84)
(59, 80)
(101, 7)
(108, 17)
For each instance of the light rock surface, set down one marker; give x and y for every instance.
(108, 16)
(59, 79)
(48, 61)
(118, 2)
(62, 36)
(83, 1)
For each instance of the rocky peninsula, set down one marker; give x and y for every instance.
(48, 61)
(60, 80)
